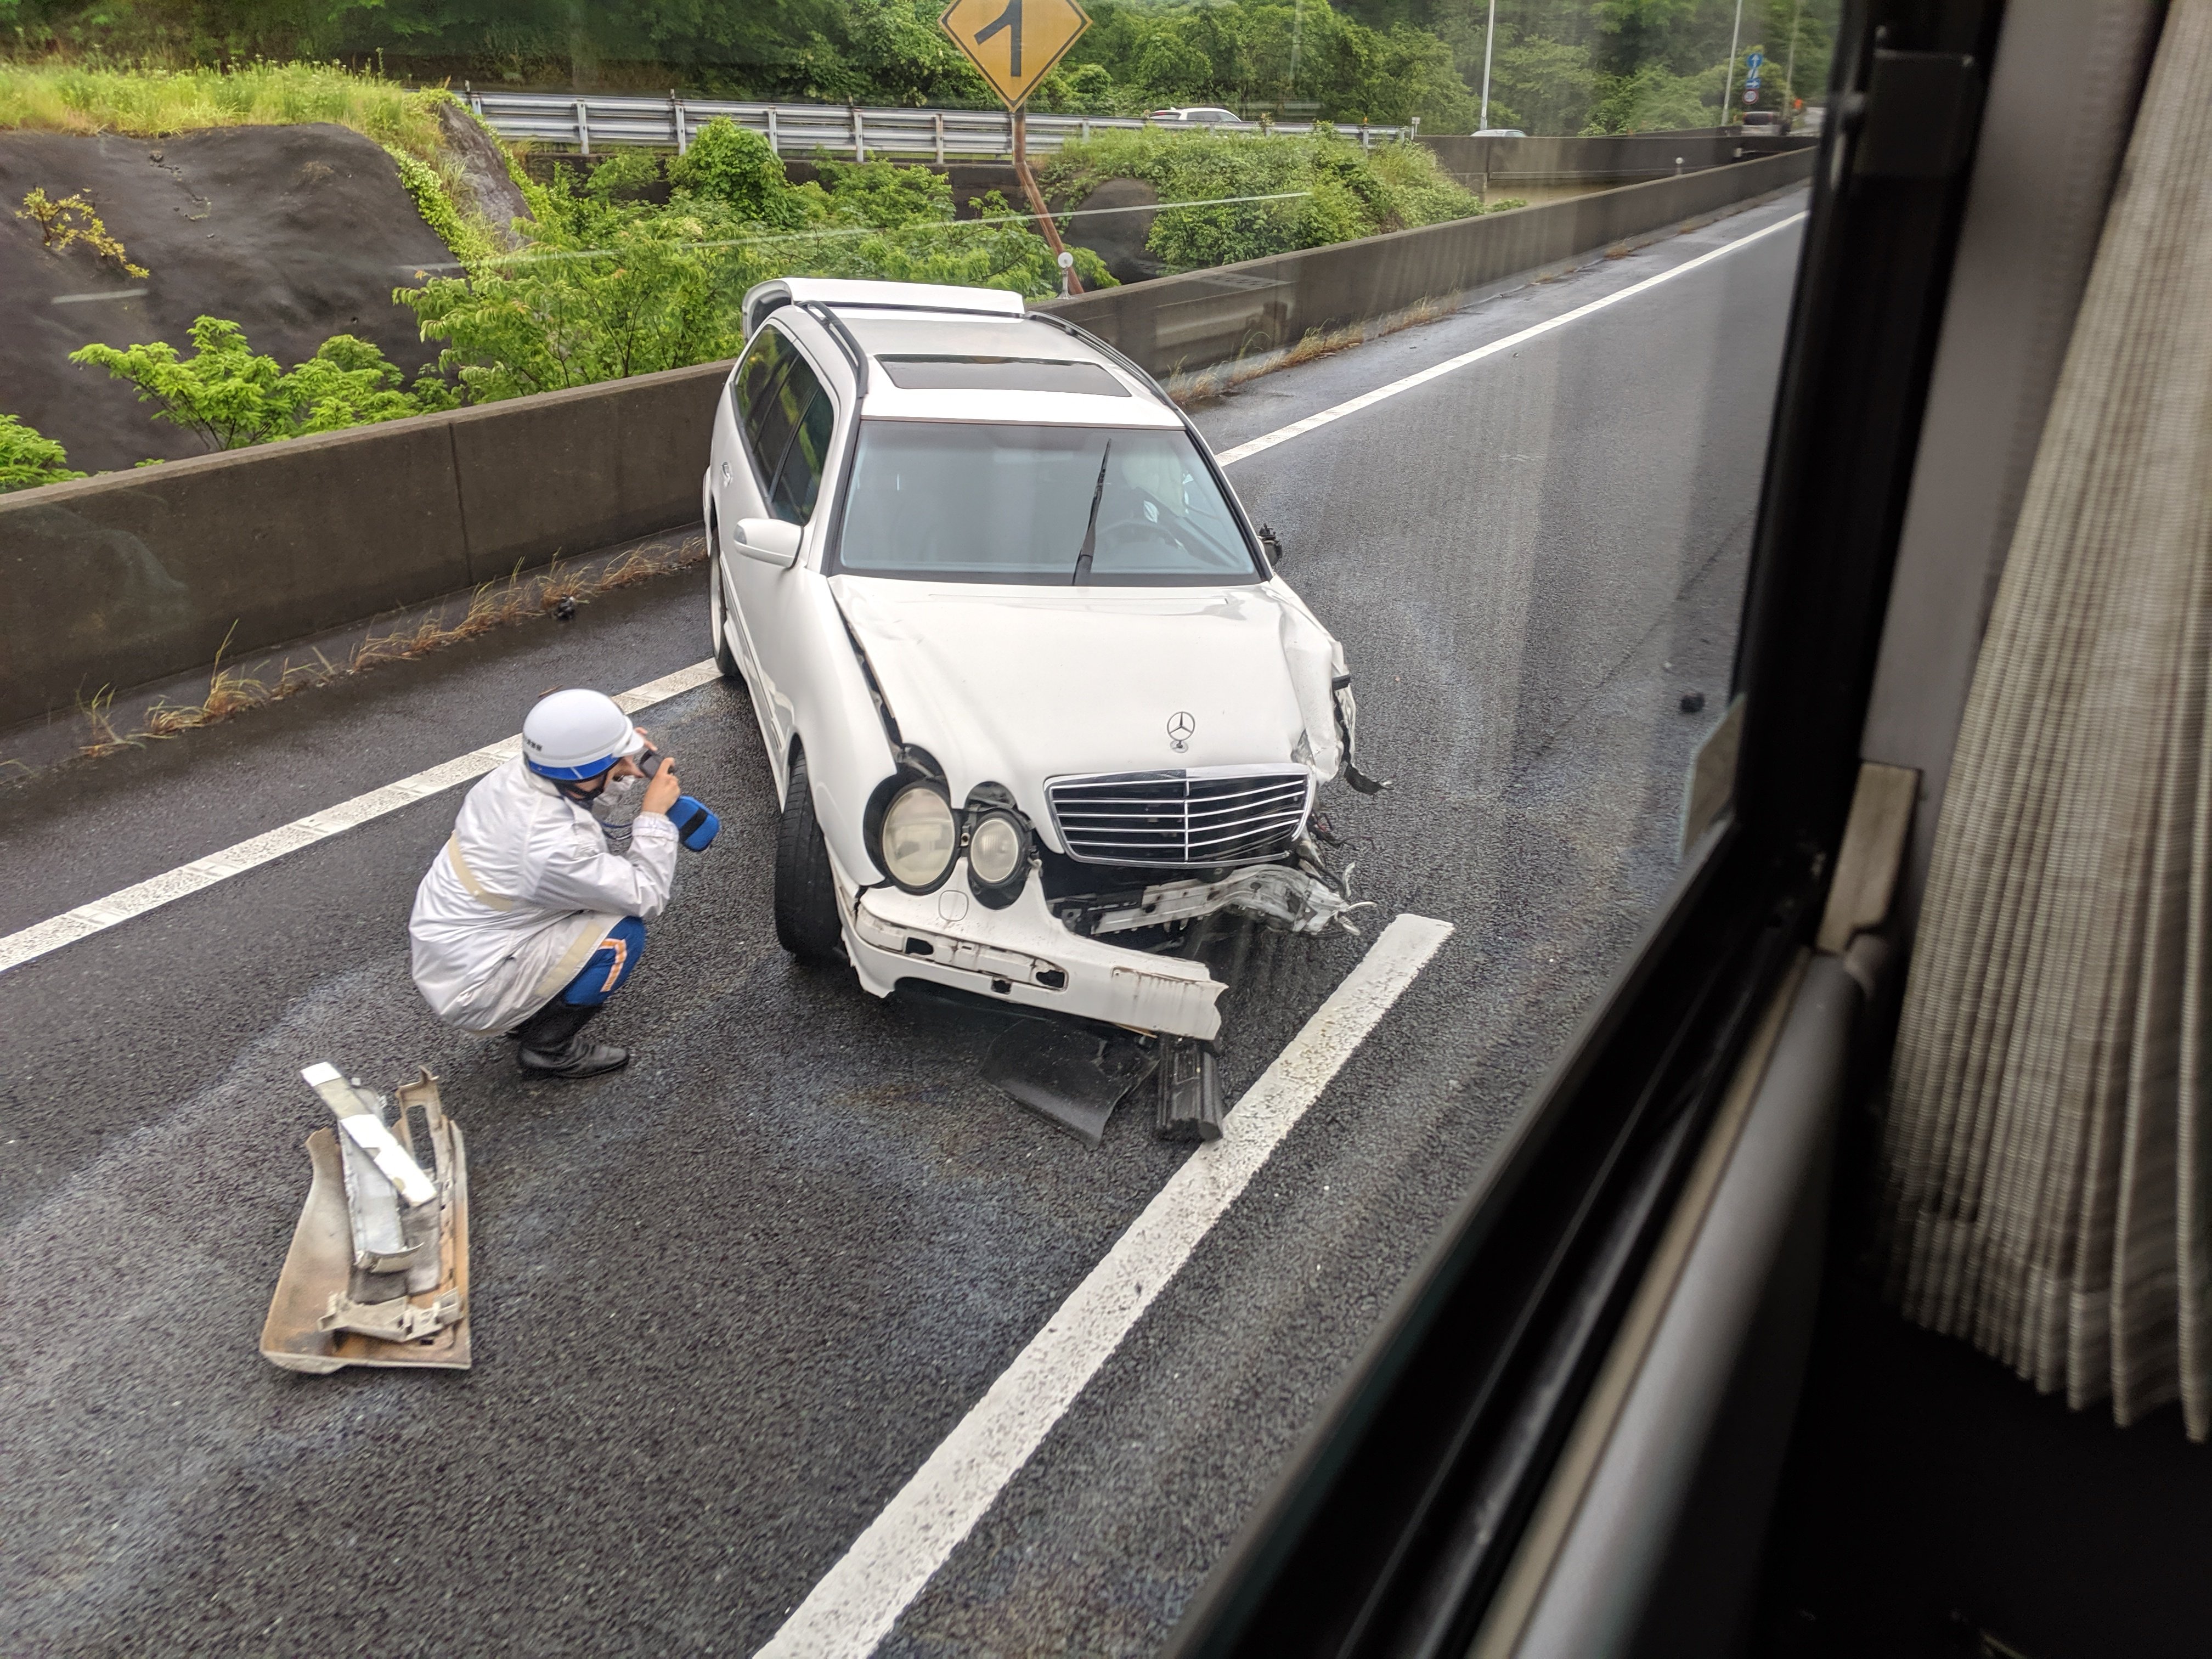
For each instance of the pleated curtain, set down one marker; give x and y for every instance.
(2047, 1145)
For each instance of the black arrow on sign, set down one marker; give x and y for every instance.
(1009, 19)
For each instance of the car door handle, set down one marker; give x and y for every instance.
(726, 475)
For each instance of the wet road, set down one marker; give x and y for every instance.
(728, 1301)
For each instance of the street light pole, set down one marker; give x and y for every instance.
(1489, 38)
(1735, 37)
(1790, 75)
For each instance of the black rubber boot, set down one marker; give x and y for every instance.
(554, 1044)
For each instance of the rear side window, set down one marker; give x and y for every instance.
(757, 396)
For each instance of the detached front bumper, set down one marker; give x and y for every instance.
(1021, 954)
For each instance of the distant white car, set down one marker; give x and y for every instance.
(1499, 132)
(1195, 113)
(1033, 695)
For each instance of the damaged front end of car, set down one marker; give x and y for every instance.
(1094, 895)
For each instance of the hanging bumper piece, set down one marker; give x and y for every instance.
(377, 1273)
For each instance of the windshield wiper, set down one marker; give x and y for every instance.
(1090, 530)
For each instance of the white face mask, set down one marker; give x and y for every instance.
(616, 795)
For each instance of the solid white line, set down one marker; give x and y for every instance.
(855, 1605)
(40, 937)
(1438, 371)
(101, 913)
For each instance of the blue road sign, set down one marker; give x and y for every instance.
(1753, 60)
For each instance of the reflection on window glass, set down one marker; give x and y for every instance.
(1025, 503)
(805, 1232)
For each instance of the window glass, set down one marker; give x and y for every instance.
(1000, 374)
(945, 502)
(760, 383)
(1503, 403)
(799, 478)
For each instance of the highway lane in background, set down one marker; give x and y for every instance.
(730, 1300)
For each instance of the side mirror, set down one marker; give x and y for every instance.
(770, 540)
(1273, 544)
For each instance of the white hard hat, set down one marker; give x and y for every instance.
(577, 734)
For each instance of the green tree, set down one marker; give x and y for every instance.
(604, 290)
(29, 458)
(1549, 83)
(223, 393)
(230, 396)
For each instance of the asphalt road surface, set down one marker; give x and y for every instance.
(728, 1301)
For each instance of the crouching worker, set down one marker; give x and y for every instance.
(527, 922)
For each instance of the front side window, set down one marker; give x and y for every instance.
(798, 478)
(955, 501)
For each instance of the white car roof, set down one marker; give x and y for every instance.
(881, 330)
(764, 297)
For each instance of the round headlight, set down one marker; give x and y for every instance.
(919, 837)
(994, 851)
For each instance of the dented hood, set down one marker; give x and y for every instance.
(1017, 685)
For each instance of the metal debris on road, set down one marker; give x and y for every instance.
(1188, 1105)
(377, 1273)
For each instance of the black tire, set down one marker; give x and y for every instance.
(725, 661)
(806, 920)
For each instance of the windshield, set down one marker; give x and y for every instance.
(945, 502)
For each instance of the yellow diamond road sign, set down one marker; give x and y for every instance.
(1015, 43)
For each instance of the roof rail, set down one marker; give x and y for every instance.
(764, 297)
(846, 344)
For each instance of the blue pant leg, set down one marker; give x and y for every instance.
(609, 967)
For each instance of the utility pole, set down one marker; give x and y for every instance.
(1790, 75)
(1298, 16)
(1489, 38)
(1735, 37)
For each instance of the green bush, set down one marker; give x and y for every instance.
(609, 288)
(230, 396)
(604, 291)
(624, 175)
(29, 458)
(733, 168)
(1332, 189)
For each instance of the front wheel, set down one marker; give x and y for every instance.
(726, 660)
(806, 920)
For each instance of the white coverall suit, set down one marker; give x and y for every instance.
(516, 904)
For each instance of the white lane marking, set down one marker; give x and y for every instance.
(860, 1598)
(1438, 371)
(51, 935)
(101, 913)
(98, 294)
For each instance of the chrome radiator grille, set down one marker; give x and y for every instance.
(1232, 815)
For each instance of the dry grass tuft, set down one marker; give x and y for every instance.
(99, 718)
(494, 605)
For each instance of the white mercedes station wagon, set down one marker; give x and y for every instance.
(1035, 698)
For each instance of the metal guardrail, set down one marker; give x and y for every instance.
(939, 135)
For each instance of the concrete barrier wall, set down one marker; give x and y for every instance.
(129, 577)
(1504, 162)
(1188, 322)
(132, 577)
